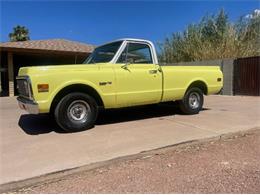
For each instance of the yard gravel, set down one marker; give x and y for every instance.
(228, 165)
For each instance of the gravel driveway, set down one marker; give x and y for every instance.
(228, 165)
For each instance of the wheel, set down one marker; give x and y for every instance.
(192, 102)
(76, 112)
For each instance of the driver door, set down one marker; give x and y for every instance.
(138, 80)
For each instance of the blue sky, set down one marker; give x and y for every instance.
(96, 22)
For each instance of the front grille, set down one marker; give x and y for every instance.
(23, 88)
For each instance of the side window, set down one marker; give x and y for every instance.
(136, 53)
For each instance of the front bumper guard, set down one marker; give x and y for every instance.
(28, 105)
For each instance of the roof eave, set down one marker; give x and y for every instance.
(30, 50)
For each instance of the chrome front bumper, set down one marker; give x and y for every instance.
(28, 105)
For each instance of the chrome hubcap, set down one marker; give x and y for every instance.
(78, 110)
(194, 100)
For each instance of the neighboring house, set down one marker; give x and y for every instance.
(39, 52)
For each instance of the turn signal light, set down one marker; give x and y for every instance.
(43, 87)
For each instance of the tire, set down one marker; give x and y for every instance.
(192, 102)
(76, 112)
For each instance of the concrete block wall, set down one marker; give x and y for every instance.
(227, 69)
(200, 63)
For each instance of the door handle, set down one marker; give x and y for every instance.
(153, 71)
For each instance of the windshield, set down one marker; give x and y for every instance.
(104, 53)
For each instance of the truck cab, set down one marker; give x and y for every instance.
(138, 77)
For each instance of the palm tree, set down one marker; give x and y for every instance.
(20, 33)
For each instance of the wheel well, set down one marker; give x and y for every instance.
(76, 88)
(201, 85)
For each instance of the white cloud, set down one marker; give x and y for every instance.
(257, 12)
(254, 14)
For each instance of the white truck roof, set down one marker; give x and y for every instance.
(133, 39)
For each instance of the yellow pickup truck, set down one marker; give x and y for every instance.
(118, 74)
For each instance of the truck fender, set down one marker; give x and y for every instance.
(79, 86)
(200, 83)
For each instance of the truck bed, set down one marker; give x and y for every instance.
(176, 79)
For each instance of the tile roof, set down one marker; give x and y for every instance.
(50, 45)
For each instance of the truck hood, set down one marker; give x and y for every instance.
(39, 70)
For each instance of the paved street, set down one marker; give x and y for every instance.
(33, 145)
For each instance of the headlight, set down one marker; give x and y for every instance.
(24, 87)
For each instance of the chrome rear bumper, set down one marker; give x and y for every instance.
(28, 105)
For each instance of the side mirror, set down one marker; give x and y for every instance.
(125, 66)
(129, 61)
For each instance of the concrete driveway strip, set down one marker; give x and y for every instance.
(33, 145)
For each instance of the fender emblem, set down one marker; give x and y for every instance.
(105, 83)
